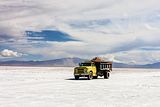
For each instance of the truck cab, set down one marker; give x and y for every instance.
(86, 69)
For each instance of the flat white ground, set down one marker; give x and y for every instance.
(56, 87)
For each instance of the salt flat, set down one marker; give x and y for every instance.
(56, 87)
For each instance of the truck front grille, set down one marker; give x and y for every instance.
(80, 70)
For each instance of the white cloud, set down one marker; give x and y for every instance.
(136, 56)
(133, 24)
(111, 57)
(21, 15)
(10, 53)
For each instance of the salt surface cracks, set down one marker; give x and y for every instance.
(56, 87)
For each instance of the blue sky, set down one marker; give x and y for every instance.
(48, 35)
(124, 31)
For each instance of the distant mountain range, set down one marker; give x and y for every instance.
(121, 65)
(63, 62)
(69, 62)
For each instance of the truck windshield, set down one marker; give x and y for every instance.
(85, 64)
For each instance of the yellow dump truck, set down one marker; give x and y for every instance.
(93, 68)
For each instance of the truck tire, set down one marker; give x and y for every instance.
(76, 77)
(90, 76)
(106, 75)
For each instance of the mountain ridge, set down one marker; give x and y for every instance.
(69, 62)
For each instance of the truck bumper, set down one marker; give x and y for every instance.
(81, 75)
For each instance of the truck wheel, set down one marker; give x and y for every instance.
(76, 77)
(90, 76)
(106, 75)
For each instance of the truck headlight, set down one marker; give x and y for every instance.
(76, 70)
